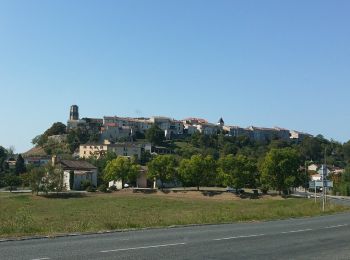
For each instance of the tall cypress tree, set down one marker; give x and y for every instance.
(20, 166)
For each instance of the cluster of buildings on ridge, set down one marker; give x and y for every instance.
(115, 135)
(115, 128)
(111, 129)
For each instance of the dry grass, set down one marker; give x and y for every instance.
(27, 215)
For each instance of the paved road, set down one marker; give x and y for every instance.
(326, 237)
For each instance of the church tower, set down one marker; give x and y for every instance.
(74, 113)
(221, 122)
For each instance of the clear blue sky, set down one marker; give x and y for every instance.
(264, 63)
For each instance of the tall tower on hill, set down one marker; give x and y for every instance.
(74, 113)
(221, 122)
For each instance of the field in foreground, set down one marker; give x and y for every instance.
(22, 215)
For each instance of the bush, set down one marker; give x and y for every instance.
(102, 188)
(264, 189)
(112, 188)
(91, 188)
(85, 184)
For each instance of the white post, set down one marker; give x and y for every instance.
(315, 191)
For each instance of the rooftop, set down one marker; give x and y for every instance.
(77, 165)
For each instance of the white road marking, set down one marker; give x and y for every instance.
(141, 247)
(297, 231)
(44, 258)
(336, 226)
(228, 238)
(285, 232)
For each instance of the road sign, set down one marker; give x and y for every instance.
(319, 184)
(328, 184)
(323, 171)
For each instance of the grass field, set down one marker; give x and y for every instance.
(22, 215)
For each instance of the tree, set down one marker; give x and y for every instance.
(342, 183)
(20, 166)
(311, 148)
(46, 179)
(34, 179)
(57, 128)
(155, 135)
(53, 179)
(279, 169)
(121, 169)
(12, 181)
(77, 137)
(101, 163)
(3, 156)
(237, 172)
(198, 171)
(163, 168)
(346, 151)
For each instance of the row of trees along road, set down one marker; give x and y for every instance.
(279, 170)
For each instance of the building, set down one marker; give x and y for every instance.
(282, 133)
(207, 129)
(236, 131)
(170, 126)
(75, 172)
(37, 160)
(190, 129)
(74, 122)
(113, 133)
(88, 125)
(120, 149)
(74, 113)
(194, 121)
(264, 134)
(313, 167)
(11, 162)
(221, 122)
(299, 136)
(114, 128)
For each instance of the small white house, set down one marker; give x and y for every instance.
(313, 167)
(75, 172)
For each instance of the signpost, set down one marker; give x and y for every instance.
(320, 184)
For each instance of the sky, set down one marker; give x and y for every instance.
(263, 63)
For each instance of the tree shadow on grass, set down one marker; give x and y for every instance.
(144, 191)
(212, 193)
(64, 195)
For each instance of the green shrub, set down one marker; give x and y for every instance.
(90, 188)
(112, 188)
(102, 188)
(85, 184)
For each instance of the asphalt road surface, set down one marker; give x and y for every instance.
(326, 237)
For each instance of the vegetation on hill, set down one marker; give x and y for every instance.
(69, 142)
(209, 160)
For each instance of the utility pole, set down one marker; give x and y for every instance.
(324, 180)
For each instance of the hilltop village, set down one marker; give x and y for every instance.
(84, 147)
(113, 128)
(126, 136)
